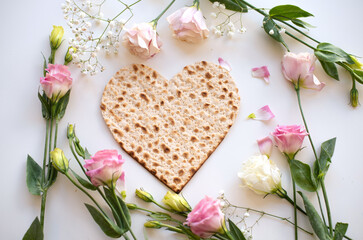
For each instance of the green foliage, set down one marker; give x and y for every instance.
(85, 183)
(34, 232)
(358, 75)
(45, 105)
(326, 153)
(330, 69)
(235, 231)
(234, 5)
(108, 227)
(301, 23)
(272, 29)
(340, 230)
(59, 108)
(327, 52)
(288, 12)
(302, 175)
(317, 224)
(33, 176)
(160, 216)
(52, 176)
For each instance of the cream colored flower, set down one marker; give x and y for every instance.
(260, 175)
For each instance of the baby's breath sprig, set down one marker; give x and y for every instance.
(93, 32)
(241, 214)
(228, 22)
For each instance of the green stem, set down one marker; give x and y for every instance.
(321, 207)
(283, 194)
(152, 212)
(126, 237)
(299, 40)
(171, 228)
(52, 55)
(253, 7)
(56, 133)
(85, 192)
(295, 208)
(168, 209)
(298, 30)
(70, 142)
(45, 151)
(155, 21)
(42, 208)
(122, 212)
(327, 207)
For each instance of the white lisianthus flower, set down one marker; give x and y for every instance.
(261, 175)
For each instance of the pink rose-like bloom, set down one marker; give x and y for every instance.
(289, 138)
(261, 72)
(142, 40)
(57, 81)
(188, 24)
(206, 218)
(105, 168)
(300, 68)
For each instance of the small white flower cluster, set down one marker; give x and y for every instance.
(86, 20)
(226, 26)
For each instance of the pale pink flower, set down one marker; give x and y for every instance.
(206, 218)
(299, 68)
(265, 145)
(188, 24)
(289, 138)
(142, 40)
(262, 114)
(57, 81)
(261, 72)
(224, 64)
(105, 168)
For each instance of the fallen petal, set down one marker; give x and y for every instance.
(224, 64)
(261, 72)
(262, 114)
(265, 145)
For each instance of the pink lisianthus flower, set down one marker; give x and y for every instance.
(206, 218)
(261, 72)
(142, 40)
(289, 138)
(299, 69)
(105, 168)
(57, 81)
(263, 114)
(188, 24)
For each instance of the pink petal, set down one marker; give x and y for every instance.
(261, 72)
(265, 145)
(224, 64)
(262, 114)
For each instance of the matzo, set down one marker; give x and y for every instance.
(170, 127)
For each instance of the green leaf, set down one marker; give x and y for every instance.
(235, 231)
(53, 176)
(160, 216)
(61, 106)
(301, 173)
(288, 12)
(46, 112)
(272, 29)
(301, 23)
(33, 176)
(85, 183)
(317, 224)
(329, 53)
(340, 230)
(234, 5)
(44, 65)
(117, 212)
(330, 69)
(358, 75)
(326, 153)
(34, 232)
(109, 228)
(87, 155)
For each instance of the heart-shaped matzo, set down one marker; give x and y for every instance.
(170, 127)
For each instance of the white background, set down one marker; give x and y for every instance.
(25, 27)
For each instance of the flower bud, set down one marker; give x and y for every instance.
(354, 94)
(357, 64)
(131, 206)
(56, 37)
(70, 131)
(68, 57)
(152, 224)
(176, 202)
(59, 161)
(144, 195)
